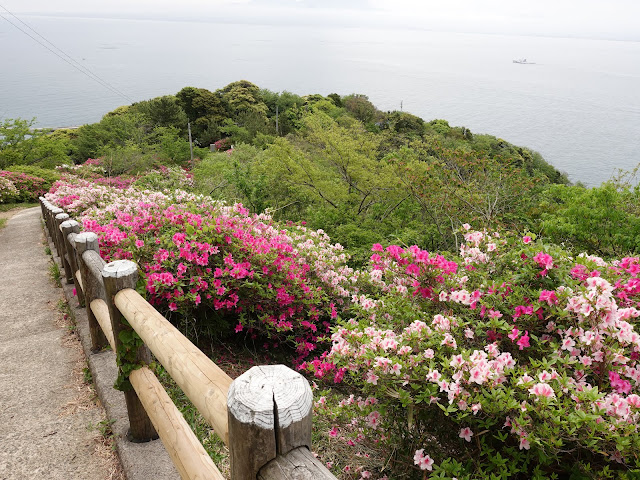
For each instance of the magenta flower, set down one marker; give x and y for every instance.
(523, 341)
(544, 260)
(548, 296)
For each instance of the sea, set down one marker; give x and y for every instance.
(576, 101)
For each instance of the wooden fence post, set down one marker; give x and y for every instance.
(68, 228)
(53, 211)
(62, 251)
(117, 276)
(93, 287)
(43, 208)
(269, 411)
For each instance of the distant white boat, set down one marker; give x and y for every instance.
(524, 61)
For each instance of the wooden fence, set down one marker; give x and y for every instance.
(264, 416)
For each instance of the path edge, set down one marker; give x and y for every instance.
(140, 461)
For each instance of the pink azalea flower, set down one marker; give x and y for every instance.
(514, 334)
(526, 239)
(425, 462)
(372, 378)
(523, 341)
(542, 390)
(548, 296)
(544, 260)
(466, 433)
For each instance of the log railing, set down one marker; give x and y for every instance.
(264, 416)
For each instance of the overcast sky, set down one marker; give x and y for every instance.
(615, 19)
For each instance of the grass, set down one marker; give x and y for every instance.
(5, 207)
(3, 222)
(65, 311)
(87, 376)
(213, 445)
(104, 428)
(54, 273)
(234, 358)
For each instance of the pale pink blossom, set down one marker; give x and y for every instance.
(542, 390)
(466, 433)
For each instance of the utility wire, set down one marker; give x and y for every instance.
(78, 66)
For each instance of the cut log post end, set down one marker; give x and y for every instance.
(84, 240)
(70, 228)
(119, 269)
(298, 464)
(270, 411)
(69, 224)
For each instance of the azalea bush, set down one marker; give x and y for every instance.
(166, 178)
(8, 191)
(513, 360)
(206, 260)
(48, 175)
(91, 168)
(28, 187)
(223, 144)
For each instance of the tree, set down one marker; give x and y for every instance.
(336, 99)
(20, 144)
(163, 111)
(111, 132)
(205, 110)
(16, 141)
(361, 108)
(281, 105)
(403, 122)
(243, 98)
(604, 220)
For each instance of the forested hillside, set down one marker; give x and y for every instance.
(462, 310)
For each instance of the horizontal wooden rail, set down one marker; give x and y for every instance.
(101, 312)
(188, 455)
(200, 379)
(79, 279)
(264, 416)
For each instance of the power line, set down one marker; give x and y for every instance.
(78, 66)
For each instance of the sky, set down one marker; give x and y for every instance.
(612, 19)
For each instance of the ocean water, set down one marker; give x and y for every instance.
(578, 105)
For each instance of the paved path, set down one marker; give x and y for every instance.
(39, 437)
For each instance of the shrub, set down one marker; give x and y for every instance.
(28, 187)
(218, 263)
(48, 175)
(8, 191)
(514, 361)
(166, 178)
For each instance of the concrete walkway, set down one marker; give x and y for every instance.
(40, 437)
